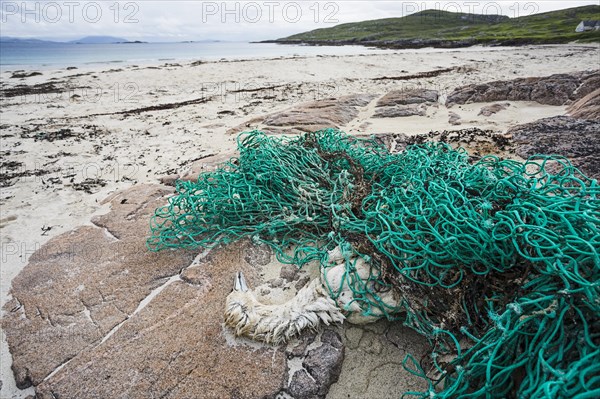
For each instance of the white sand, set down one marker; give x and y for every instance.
(144, 147)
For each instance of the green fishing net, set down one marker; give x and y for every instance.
(495, 262)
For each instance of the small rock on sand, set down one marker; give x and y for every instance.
(454, 118)
(492, 109)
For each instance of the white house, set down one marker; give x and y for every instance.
(586, 26)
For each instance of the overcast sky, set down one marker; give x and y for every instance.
(232, 20)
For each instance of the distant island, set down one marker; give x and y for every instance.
(9, 39)
(84, 40)
(436, 28)
(99, 40)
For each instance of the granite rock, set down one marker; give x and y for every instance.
(454, 118)
(590, 81)
(320, 114)
(558, 89)
(208, 164)
(300, 349)
(324, 364)
(406, 97)
(321, 365)
(81, 284)
(303, 386)
(310, 116)
(96, 315)
(169, 180)
(401, 103)
(587, 107)
(576, 139)
(399, 111)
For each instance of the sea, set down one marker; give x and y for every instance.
(52, 55)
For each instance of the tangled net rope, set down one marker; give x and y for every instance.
(496, 262)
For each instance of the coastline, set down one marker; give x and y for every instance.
(54, 55)
(430, 43)
(71, 147)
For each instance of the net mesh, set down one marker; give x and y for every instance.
(496, 262)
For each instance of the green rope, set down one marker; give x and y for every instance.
(496, 262)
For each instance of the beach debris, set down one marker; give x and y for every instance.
(255, 89)
(37, 89)
(428, 74)
(60, 134)
(476, 253)
(160, 107)
(89, 185)
(21, 75)
(12, 171)
(277, 324)
(44, 133)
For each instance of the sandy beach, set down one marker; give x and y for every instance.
(106, 129)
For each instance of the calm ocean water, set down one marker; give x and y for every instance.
(58, 55)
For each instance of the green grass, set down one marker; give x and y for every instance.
(551, 27)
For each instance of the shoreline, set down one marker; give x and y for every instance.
(185, 53)
(407, 44)
(86, 137)
(194, 61)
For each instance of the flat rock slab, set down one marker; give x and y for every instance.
(558, 89)
(399, 111)
(406, 97)
(96, 315)
(310, 116)
(587, 107)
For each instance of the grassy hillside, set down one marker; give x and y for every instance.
(434, 26)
